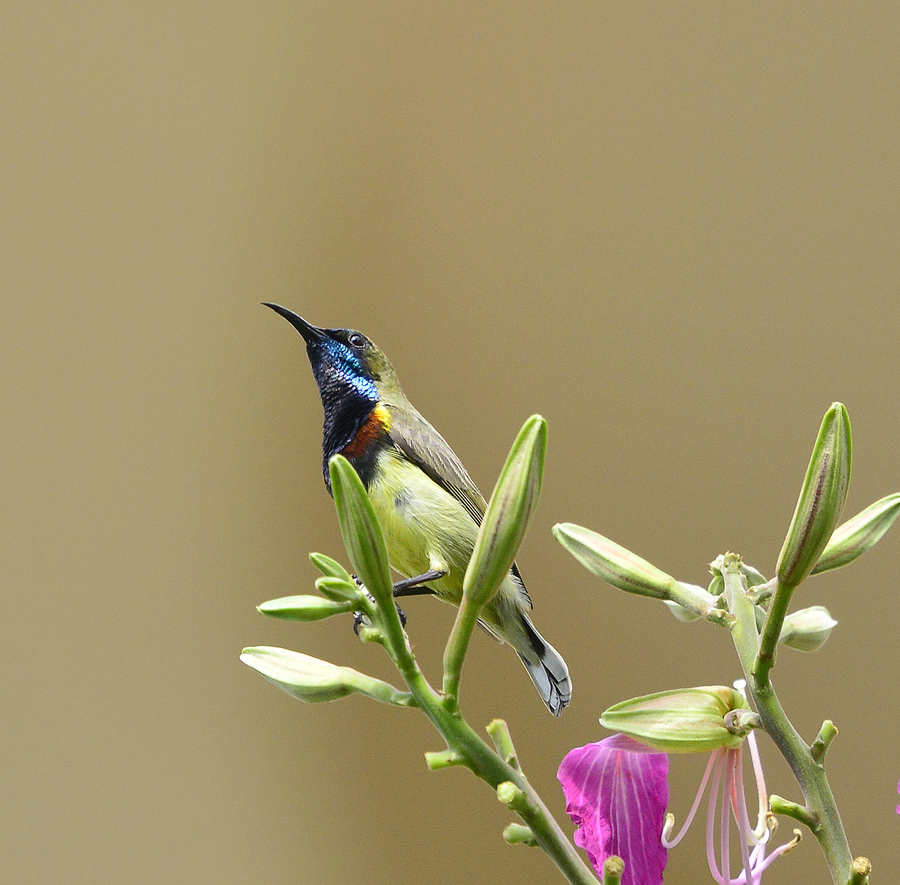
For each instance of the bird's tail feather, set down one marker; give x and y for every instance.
(548, 672)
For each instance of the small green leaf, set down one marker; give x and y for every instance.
(857, 535)
(821, 499)
(508, 513)
(303, 608)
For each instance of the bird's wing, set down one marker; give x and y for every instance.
(429, 451)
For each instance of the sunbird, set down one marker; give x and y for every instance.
(427, 504)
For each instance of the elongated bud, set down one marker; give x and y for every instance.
(689, 720)
(304, 608)
(808, 628)
(329, 567)
(858, 534)
(613, 563)
(821, 499)
(680, 612)
(314, 681)
(339, 590)
(361, 532)
(508, 513)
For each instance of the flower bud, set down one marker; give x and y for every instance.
(303, 608)
(314, 681)
(752, 576)
(717, 584)
(689, 720)
(516, 834)
(339, 590)
(329, 567)
(858, 534)
(361, 532)
(821, 499)
(615, 564)
(680, 612)
(808, 628)
(508, 513)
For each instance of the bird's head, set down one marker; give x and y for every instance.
(344, 362)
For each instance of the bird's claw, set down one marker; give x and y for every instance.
(360, 619)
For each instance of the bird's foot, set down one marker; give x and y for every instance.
(415, 586)
(362, 620)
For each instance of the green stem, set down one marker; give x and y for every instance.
(456, 648)
(800, 813)
(499, 732)
(827, 733)
(861, 870)
(492, 769)
(613, 870)
(743, 628)
(765, 659)
(810, 773)
(517, 834)
(812, 780)
(475, 753)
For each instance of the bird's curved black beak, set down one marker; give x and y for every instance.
(310, 333)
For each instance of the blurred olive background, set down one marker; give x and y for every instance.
(672, 229)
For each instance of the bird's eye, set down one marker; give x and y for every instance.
(356, 340)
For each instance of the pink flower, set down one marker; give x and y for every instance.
(727, 801)
(616, 794)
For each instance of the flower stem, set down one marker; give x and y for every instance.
(613, 870)
(456, 648)
(757, 657)
(813, 782)
(468, 749)
(499, 732)
(743, 628)
(765, 659)
(823, 818)
(494, 770)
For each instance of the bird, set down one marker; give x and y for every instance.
(427, 504)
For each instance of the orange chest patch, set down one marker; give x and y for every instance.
(378, 421)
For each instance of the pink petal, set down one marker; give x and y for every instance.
(616, 794)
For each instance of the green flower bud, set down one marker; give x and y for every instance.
(314, 681)
(680, 612)
(690, 720)
(508, 513)
(752, 576)
(858, 534)
(615, 564)
(361, 532)
(516, 834)
(808, 628)
(717, 584)
(821, 499)
(303, 608)
(330, 568)
(339, 590)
